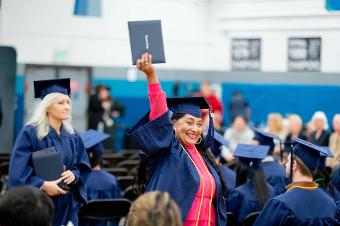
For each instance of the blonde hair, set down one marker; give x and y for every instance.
(277, 123)
(321, 115)
(295, 118)
(154, 209)
(39, 117)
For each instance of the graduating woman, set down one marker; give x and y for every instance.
(252, 190)
(49, 127)
(173, 154)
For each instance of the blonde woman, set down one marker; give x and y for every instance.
(50, 126)
(320, 136)
(154, 209)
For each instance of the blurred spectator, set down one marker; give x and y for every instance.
(26, 205)
(320, 136)
(95, 109)
(239, 106)
(334, 143)
(103, 109)
(275, 125)
(295, 129)
(154, 209)
(239, 133)
(214, 102)
(175, 88)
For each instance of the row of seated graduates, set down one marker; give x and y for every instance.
(328, 179)
(130, 159)
(274, 175)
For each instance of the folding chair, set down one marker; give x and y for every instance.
(128, 152)
(128, 164)
(125, 181)
(105, 209)
(117, 171)
(112, 160)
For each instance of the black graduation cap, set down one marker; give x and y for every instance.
(193, 106)
(219, 141)
(45, 87)
(250, 153)
(265, 138)
(92, 139)
(310, 154)
(188, 105)
(323, 157)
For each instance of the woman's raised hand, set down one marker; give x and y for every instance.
(145, 64)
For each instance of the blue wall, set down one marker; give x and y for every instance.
(263, 98)
(285, 99)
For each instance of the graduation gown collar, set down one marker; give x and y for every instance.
(63, 132)
(308, 185)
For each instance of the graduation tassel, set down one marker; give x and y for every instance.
(291, 161)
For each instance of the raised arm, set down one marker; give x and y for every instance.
(157, 97)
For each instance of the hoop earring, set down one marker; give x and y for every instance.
(199, 140)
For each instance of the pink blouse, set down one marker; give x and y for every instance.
(202, 211)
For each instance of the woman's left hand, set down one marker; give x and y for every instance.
(68, 177)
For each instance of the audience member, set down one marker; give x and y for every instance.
(238, 133)
(154, 209)
(321, 135)
(295, 129)
(216, 105)
(26, 205)
(103, 110)
(334, 143)
(239, 106)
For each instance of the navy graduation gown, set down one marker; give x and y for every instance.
(170, 168)
(74, 158)
(300, 207)
(101, 185)
(275, 176)
(242, 200)
(229, 176)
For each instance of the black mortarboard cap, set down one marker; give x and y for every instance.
(193, 106)
(45, 87)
